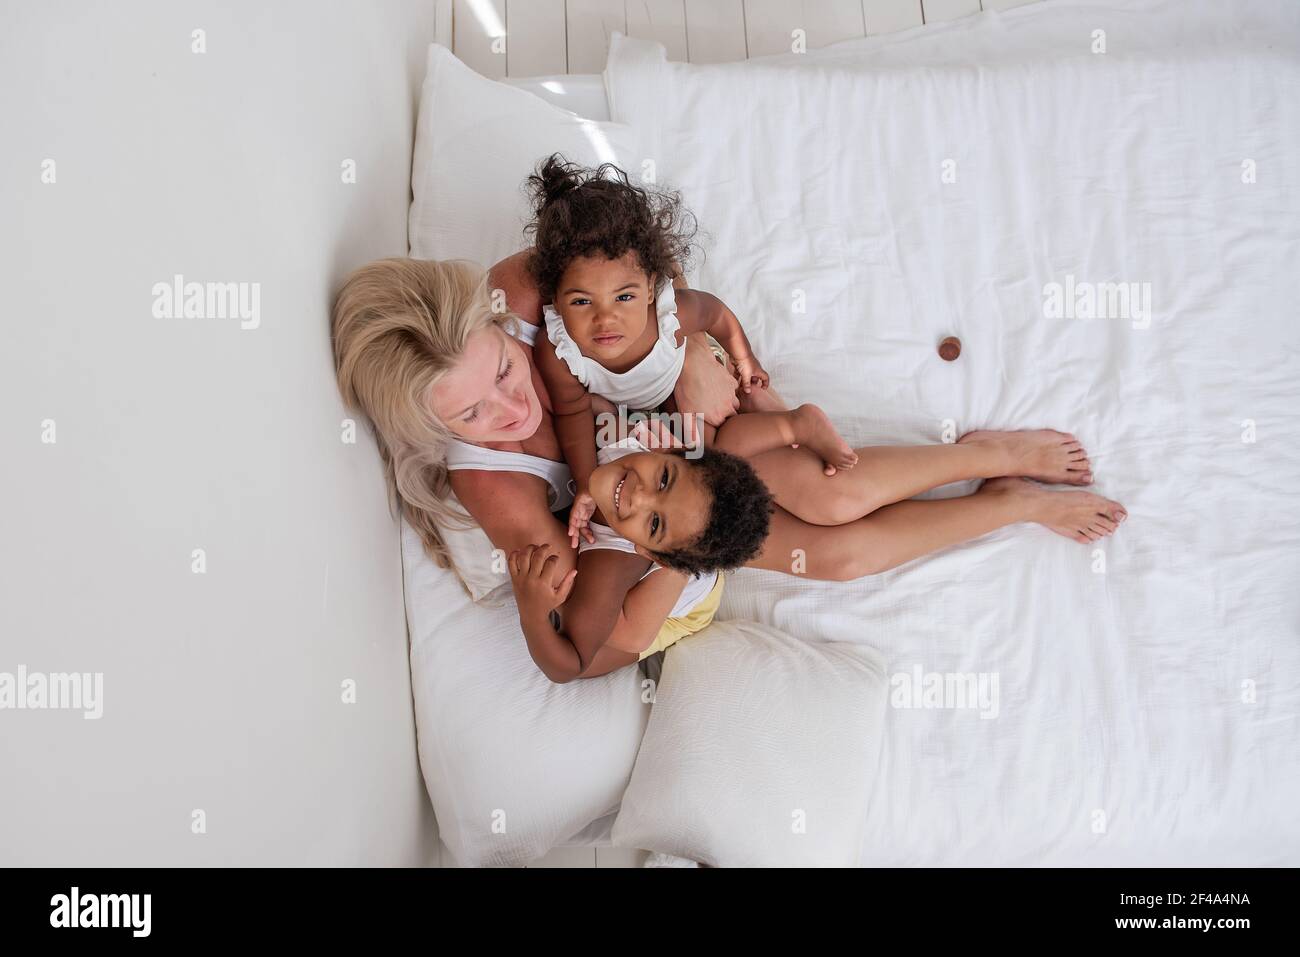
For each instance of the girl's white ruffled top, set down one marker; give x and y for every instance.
(646, 384)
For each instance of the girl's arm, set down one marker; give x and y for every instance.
(703, 312)
(575, 423)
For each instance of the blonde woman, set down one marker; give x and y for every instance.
(458, 406)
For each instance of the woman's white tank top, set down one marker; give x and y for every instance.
(559, 481)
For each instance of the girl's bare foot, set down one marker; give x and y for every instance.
(1082, 516)
(1044, 454)
(815, 431)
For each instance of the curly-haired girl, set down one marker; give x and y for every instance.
(606, 254)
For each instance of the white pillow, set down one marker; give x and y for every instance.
(761, 751)
(476, 142)
(471, 557)
(513, 763)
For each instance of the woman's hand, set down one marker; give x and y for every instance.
(531, 570)
(580, 512)
(751, 373)
(704, 385)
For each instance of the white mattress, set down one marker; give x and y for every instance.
(1148, 714)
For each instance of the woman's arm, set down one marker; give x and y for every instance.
(513, 511)
(511, 508)
(704, 312)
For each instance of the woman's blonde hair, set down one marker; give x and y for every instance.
(399, 326)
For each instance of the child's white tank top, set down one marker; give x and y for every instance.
(646, 384)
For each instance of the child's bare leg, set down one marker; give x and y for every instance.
(901, 532)
(887, 474)
(753, 433)
(761, 400)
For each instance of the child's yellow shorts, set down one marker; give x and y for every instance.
(675, 629)
(719, 353)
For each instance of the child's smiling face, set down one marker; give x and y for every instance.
(605, 304)
(654, 500)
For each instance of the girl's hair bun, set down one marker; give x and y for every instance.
(580, 211)
(555, 177)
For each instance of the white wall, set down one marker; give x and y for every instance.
(221, 690)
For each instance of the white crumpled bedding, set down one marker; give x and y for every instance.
(934, 183)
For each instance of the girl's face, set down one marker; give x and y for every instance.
(654, 500)
(605, 304)
(489, 395)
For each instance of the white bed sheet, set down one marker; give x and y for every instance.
(1126, 732)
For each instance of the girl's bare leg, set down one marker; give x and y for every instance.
(761, 400)
(888, 474)
(757, 432)
(903, 531)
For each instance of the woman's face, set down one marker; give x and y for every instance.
(654, 500)
(489, 395)
(604, 304)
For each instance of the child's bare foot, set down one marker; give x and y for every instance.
(814, 430)
(1082, 516)
(1044, 454)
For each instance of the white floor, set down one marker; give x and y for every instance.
(572, 857)
(539, 37)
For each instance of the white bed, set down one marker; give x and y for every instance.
(930, 184)
(1149, 713)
